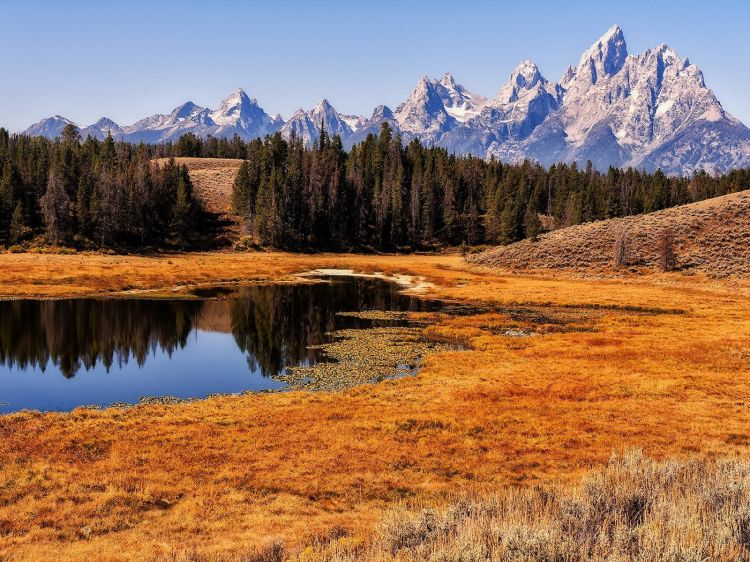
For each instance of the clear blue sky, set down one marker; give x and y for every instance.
(131, 58)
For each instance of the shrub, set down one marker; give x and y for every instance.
(621, 251)
(633, 508)
(665, 246)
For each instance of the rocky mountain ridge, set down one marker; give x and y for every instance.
(650, 110)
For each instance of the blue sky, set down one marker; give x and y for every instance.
(129, 59)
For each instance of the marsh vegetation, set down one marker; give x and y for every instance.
(121, 350)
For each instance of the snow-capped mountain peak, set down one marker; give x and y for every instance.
(307, 124)
(324, 104)
(49, 127)
(424, 112)
(233, 108)
(459, 103)
(106, 123)
(646, 110)
(424, 96)
(99, 130)
(381, 112)
(448, 80)
(240, 114)
(605, 57)
(185, 110)
(526, 74)
(523, 103)
(188, 111)
(524, 78)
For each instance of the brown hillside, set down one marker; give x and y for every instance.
(212, 179)
(711, 236)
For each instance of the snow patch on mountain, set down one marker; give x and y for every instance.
(459, 103)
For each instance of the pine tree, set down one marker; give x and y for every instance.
(267, 221)
(323, 139)
(242, 191)
(5, 206)
(107, 153)
(56, 210)
(18, 229)
(83, 206)
(531, 223)
(509, 223)
(70, 134)
(183, 211)
(10, 193)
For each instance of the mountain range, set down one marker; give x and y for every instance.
(650, 110)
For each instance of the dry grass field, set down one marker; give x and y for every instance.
(663, 365)
(632, 508)
(86, 274)
(212, 179)
(711, 237)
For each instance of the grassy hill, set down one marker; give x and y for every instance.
(711, 236)
(212, 179)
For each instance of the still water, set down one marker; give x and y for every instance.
(57, 355)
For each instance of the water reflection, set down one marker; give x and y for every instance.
(275, 325)
(119, 350)
(75, 334)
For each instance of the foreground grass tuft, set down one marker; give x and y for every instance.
(634, 508)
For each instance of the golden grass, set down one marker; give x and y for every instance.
(212, 179)
(631, 509)
(55, 275)
(221, 476)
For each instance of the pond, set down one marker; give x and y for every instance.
(58, 355)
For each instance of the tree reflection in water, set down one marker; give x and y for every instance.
(272, 324)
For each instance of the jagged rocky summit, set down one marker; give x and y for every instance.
(650, 110)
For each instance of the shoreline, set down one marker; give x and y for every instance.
(64, 276)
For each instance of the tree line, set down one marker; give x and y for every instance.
(380, 195)
(384, 195)
(93, 194)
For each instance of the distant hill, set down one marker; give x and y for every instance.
(212, 183)
(711, 236)
(212, 180)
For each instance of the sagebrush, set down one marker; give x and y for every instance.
(634, 508)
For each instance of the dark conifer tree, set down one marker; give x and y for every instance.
(243, 191)
(56, 210)
(532, 226)
(184, 209)
(18, 229)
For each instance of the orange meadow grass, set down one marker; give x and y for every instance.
(224, 475)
